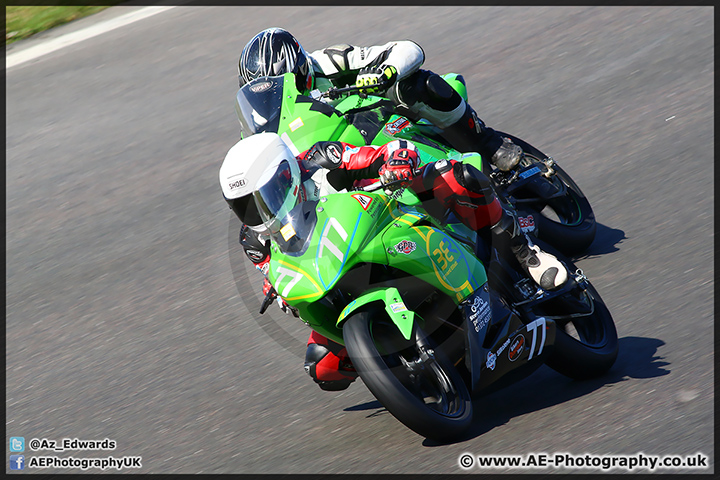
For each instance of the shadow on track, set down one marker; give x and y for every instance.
(606, 241)
(545, 388)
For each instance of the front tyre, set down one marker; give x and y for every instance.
(585, 347)
(413, 380)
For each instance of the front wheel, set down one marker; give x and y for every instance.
(586, 340)
(585, 346)
(412, 379)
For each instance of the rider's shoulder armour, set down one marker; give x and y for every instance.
(325, 154)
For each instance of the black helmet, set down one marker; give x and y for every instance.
(273, 52)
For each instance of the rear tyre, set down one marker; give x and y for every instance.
(412, 379)
(567, 222)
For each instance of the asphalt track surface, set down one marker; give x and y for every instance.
(132, 316)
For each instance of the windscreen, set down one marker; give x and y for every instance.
(258, 105)
(296, 229)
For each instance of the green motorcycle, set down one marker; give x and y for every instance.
(431, 313)
(549, 203)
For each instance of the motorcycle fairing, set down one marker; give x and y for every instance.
(396, 309)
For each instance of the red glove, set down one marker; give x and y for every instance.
(401, 165)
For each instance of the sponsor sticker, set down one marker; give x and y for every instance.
(260, 87)
(364, 200)
(406, 247)
(446, 257)
(490, 362)
(374, 209)
(516, 348)
(295, 124)
(480, 313)
(396, 126)
(398, 307)
(527, 224)
(492, 357)
(287, 231)
(504, 346)
(530, 172)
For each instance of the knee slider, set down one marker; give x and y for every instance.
(433, 171)
(313, 355)
(429, 88)
(440, 94)
(326, 368)
(409, 90)
(438, 88)
(473, 179)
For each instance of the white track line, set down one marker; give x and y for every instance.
(44, 48)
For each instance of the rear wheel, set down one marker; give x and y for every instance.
(412, 379)
(568, 221)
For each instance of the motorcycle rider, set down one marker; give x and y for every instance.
(263, 162)
(391, 70)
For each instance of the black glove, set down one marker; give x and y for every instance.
(287, 309)
(374, 80)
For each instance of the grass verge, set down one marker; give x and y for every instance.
(23, 22)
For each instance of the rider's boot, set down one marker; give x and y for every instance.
(470, 134)
(328, 364)
(427, 95)
(545, 269)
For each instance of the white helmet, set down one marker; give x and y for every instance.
(243, 166)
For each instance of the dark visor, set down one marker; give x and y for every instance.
(244, 207)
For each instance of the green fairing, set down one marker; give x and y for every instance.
(345, 234)
(394, 306)
(357, 227)
(417, 246)
(303, 126)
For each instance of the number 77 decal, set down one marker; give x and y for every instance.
(326, 243)
(538, 323)
(296, 276)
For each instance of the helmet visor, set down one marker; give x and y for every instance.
(245, 209)
(276, 194)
